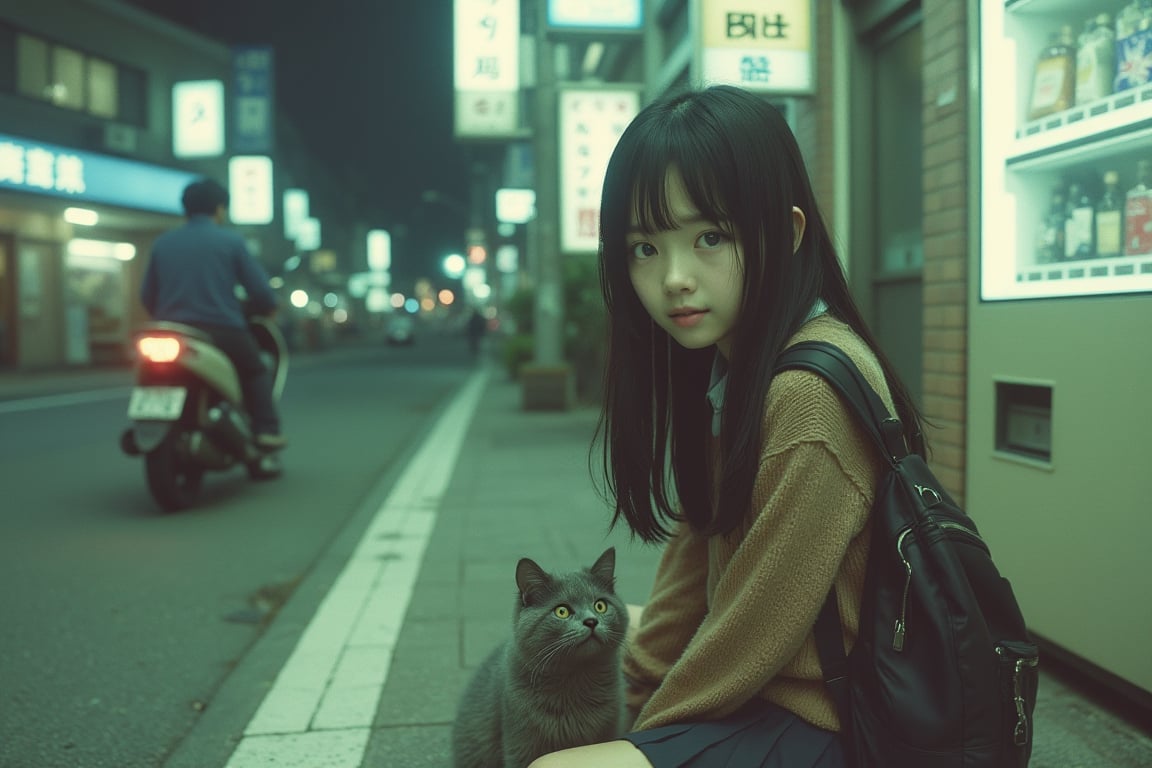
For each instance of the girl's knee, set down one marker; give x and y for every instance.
(611, 754)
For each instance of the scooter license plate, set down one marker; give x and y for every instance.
(158, 403)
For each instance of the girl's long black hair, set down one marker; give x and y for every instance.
(742, 167)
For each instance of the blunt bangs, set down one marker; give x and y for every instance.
(684, 141)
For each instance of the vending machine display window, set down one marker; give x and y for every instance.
(1066, 148)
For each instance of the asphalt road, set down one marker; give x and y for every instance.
(118, 622)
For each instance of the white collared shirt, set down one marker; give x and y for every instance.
(718, 382)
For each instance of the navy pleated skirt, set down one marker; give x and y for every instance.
(761, 735)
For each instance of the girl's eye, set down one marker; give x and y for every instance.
(641, 250)
(711, 239)
(600, 606)
(562, 611)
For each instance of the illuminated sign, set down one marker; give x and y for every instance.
(591, 122)
(379, 250)
(295, 211)
(759, 45)
(252, 89)
(250, 189)
(515, 206)
(487, 68)
(47, 169)
(308, 234)
(596, 14)
(198, 118)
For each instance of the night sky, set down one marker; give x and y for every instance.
(369, 85)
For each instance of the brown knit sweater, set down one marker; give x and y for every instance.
(730, 617)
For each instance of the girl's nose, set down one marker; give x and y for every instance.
(678, 277)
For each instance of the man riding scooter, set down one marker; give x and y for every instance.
(191, 278)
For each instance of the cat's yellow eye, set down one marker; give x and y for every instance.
(600, 606)
(562, 611)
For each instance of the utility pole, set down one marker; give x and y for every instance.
(547, 383)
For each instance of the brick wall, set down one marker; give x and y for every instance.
(945, 230)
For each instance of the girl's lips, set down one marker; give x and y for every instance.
(688, 319)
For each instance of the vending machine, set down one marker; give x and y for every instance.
(1059, 452)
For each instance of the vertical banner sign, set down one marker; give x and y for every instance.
(295, 207)
(759, 45)
(198, 118)
(252, 106)
(250, 190)
(591, 122)
(487, 67)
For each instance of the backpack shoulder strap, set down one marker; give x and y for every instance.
(831, 363)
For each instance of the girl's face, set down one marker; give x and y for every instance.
(689, 278)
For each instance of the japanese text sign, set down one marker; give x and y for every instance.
(759, 45)
(198, 118)
(487, 67)
(252, 106)
(250, 189)
(47, 169)
(591, 122)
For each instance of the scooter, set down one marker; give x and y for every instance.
(187, 410)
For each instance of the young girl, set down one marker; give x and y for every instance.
(714, 258)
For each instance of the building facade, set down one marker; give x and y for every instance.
(89, 175)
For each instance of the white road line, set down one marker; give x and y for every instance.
(57, 401)
(319, 710)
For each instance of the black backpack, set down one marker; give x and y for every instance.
(943, 673)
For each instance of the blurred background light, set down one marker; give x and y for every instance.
(81, 216)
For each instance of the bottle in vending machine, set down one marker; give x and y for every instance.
(1096, 60)
(1138, 213)
(1078, 224)
(1050, 239)
(1110, 219)
(1054, 83)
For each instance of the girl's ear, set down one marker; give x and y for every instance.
(798, 224)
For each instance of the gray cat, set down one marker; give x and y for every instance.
(556, 683)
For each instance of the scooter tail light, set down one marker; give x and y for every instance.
(158, 349)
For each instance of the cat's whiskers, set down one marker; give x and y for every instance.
(545, 655)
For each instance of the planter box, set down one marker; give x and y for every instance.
(547, 387)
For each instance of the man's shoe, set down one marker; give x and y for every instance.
(271, 442)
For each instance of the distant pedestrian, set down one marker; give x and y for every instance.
(476, 328)
(714, 259)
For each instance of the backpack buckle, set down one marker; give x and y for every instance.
(893, 433)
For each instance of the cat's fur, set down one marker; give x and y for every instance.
(556, 682)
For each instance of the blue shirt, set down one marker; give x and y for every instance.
(193, 273)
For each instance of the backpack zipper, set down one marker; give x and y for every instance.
(898, 632)
(901, 627)
(1020, 732)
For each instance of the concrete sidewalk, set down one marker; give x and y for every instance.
(522, 488)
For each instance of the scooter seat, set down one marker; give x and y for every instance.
(180, 328)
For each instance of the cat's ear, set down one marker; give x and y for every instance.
(604, 569)
(531, 580)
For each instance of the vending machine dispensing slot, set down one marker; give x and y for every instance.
(1024, 420)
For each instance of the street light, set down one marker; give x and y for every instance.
(454, 266)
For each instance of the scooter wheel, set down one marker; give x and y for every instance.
(173, 478)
